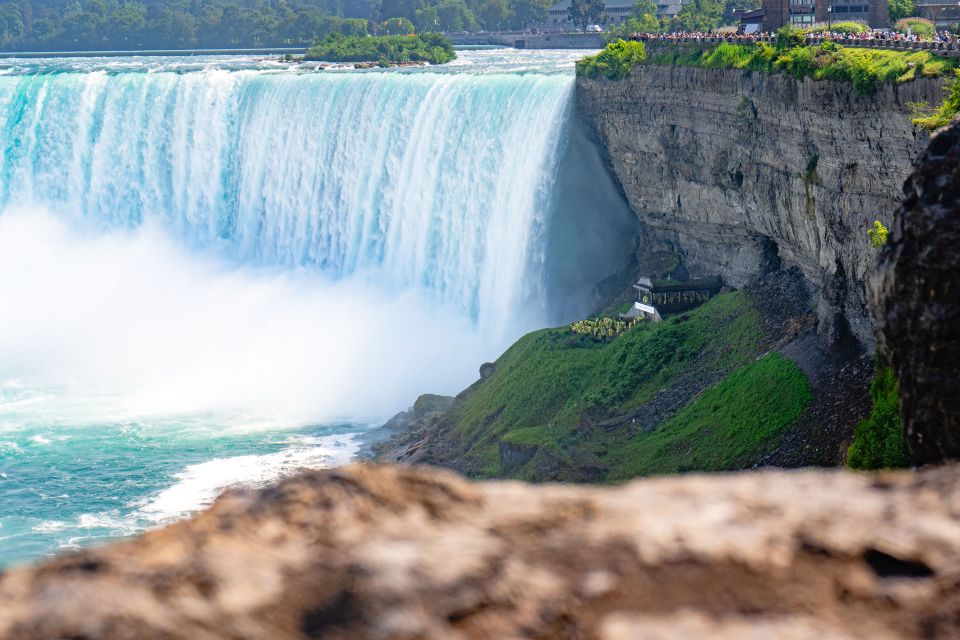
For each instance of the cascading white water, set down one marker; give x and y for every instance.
(220, 271)
(430, 180)
(234, 235)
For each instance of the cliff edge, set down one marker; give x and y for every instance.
(736, 172)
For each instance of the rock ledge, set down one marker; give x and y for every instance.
(393, 552)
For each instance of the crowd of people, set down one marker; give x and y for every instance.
(879, 37)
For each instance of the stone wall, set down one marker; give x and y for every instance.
(738, 172)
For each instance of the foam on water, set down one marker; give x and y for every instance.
(215, 271)
(125, 324)
(198, 485)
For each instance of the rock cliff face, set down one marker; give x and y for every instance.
(388, 552)
(917, 293)
(735, 172)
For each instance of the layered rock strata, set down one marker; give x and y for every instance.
(736, 172)
(917, 293)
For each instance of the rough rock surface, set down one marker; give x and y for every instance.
(394, 552)
(917, 293)
(735, 171)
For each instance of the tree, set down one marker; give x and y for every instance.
(645, 24)
(11, 24)
(642, 8)
(643, 19)
(174, 29)
(494, 14)
(399, 9)
(528, 12)
(127, 24)
(733, 6)
(397, 27)
(586, 12)
(699, 15)
(427, 20)
(455, 15)
(901, 9)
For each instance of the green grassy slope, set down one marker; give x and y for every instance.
(727, 427)
(553, 391)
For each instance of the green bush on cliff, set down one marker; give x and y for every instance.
(947, 110)
(878, 234)
(878, 441)
(866, 69)
(615, 61)
(427, 47)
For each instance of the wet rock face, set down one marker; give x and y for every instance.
(395, 552)
(738, 172)
(917, 297)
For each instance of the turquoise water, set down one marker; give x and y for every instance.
(215, 271)
(69, 486)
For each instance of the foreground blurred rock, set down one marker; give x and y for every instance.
(917, 300)
(392, 552)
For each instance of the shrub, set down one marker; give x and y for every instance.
(602, 328)
(846, 26)
(615, 61)
(866, 69)
(646, 23)
(385, 50)
(878, 234)
(878, 441)
(789, 36)
(397, 27)
(947, 111)
(919, 26)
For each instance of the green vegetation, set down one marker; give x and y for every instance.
(866, 69)
(643, 19)
(602, 328)
(920, 27)
(878, 442)
(550, 390)
(58, 25)
(878, 234)
(947, 110)
(615, 61)
(430, 47)
(845, 26)
(699, 15)
(585, 12)
(897, 9)
(397, 27)
(727, 427)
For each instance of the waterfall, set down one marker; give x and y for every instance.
(436, 181)
(220, 270)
